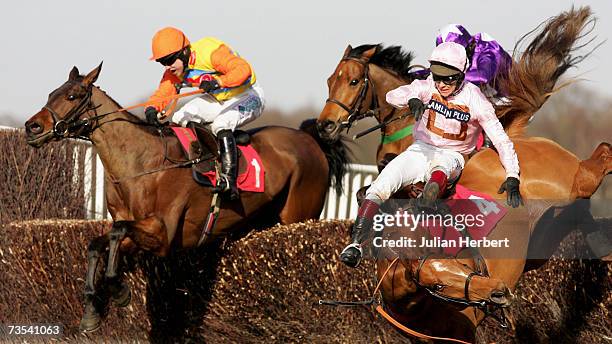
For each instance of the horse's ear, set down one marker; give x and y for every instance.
(74, 74)
(92, 76)
(347, 51)
(367, 55)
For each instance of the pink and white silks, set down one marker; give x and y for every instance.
(448, 129)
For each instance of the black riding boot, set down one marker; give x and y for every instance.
(229, 164)
(351, 255)
(432, 190)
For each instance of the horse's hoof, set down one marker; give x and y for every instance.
(90, 322)
(123, 297)
(351, 256)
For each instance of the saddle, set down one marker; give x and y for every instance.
(205, 147)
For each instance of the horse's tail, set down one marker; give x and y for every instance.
(336, 153)
(533, 75)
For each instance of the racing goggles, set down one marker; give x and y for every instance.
(168, 60)
(449, 80)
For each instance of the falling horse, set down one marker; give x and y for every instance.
(157, 207)
(548, 171)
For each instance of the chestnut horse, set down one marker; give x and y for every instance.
(165, 209)
(548, 171)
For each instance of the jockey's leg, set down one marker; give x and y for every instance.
(237, 112)
(351, 255)
(229, 164)
(435, 185)
(224, 117)
(407, 168)
(446, 166)
(203, 109)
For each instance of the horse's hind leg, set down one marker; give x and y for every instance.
(304, 200)
(592, 171)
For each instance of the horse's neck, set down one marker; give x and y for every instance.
(385, 81)
(122, 145)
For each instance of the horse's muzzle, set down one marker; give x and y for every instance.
(34, 134)
(33, 128)
(328, 130)
(501, 297)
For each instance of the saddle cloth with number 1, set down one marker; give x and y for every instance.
(251, 176)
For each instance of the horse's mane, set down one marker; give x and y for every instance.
(534, 74)
(393, 58)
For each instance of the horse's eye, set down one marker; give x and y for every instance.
(354, 82)
(439, 287)
(71, 97)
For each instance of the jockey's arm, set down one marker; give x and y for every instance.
(400, 96)
(166, 88)
(493, 128)
(234, 69)
(486, 71)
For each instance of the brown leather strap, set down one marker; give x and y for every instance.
(411, 332)
(399, 325)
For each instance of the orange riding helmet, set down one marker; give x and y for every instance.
(167, 41)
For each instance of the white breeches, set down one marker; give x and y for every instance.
(229, 114)
(414, 165)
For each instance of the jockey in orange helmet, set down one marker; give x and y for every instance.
(232, 98)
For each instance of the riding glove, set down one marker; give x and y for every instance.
(151, 115)
(416, 107)
(209, 85)
(511, 187)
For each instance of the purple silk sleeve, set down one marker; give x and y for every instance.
(489, 62)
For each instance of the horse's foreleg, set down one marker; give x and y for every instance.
(91, 315)
(116, 235)
(120, 291)
(95, 250)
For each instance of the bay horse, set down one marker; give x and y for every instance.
(161, 209)
(548, 171)
(357, 90)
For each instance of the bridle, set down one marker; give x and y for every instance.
(71, 122)
(355, 109)
(487, 307)
(434, 291)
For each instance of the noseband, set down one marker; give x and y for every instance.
(355, 111)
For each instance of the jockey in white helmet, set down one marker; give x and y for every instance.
(445, 131)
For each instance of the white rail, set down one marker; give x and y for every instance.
(337, 206)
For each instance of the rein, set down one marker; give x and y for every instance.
(372, 300)
(62, 128)
(70, 124)
(354, 111)
(379, 308)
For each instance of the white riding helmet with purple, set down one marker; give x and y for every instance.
(448, 58)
